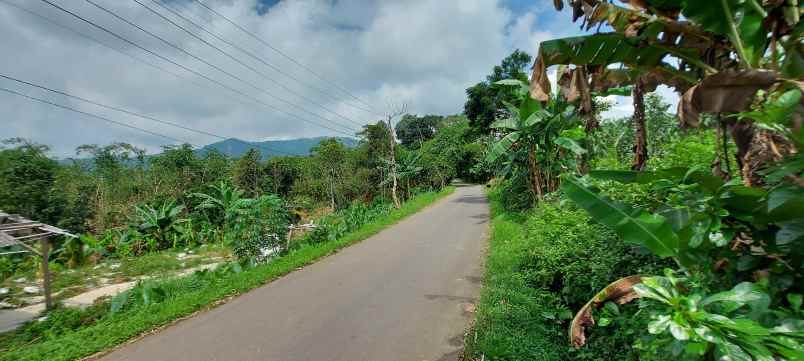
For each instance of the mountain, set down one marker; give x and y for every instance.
(236, 148)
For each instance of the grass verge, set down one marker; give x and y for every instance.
(543, 265)
(70, 334)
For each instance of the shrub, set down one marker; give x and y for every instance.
(540, 271)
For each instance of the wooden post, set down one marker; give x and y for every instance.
(46, 272)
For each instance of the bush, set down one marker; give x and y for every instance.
(540, 271)
(335, 225)
(514, 193)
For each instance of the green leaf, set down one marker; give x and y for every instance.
(659, 325)
(795, 300)
(505, 123)
(743, 293)
(603, 322)
(529, 107)
(786, 203)
(696, 348)
(570, 144)
(501, 147)
(793, 65)
(612, 308)
(728, 351)
(632, 225)
(754, 37)
(790, 326)
(565, 315)
(621, 91)
(733, 19)
(510, 82)
(750, 327)
(119, 301)
(680, 332)
(535, 118)
(640, 177)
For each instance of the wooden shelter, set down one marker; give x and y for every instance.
(16, 230)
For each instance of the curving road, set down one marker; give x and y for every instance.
(406, 293)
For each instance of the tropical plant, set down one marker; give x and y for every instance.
(725, 52)
(721, 235)
(158, 223)
(260, 228)
(222, 205)
(542, 134)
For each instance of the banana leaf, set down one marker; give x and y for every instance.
(501, 147)
(601, 50)
(633, 225)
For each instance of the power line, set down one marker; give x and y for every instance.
(227, 73)
(139, 115)
(92, 115)
(283, 54)
(188, 69)
(245, 65)
(178, 14)
(140, 60)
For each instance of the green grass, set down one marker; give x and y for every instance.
(542, 266)
(70, 339)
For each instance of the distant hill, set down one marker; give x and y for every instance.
(301, 146)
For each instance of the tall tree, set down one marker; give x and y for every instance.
(332, 157)
(27, 176)
(247, 173)
(414, 130)
(485, 100)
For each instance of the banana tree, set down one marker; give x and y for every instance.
(158, 222)
(722, 53)
(542, 134)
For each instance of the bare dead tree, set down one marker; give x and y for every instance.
(396, 111)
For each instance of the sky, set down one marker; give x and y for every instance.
(421, 53)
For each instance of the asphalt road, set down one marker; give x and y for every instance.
(407, 293)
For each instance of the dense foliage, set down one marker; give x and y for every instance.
(126, 203)
(719, 207)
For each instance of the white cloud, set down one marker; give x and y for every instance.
(624, 106)
(425, 52)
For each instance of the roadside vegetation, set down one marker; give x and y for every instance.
(154, 219)
(69, 333)
(663, 235)
(634, 238)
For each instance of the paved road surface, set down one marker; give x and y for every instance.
(403, 294)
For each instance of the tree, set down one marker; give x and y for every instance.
(27, 178)
(721, 55)
(485, 100)
(247, 173)
(332, 157)
(543, 134)
(413, 130)
(401, 109)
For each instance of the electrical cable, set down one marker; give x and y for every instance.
(190, 70)
(139, 115)
(283, 54)
(249, 67)
(227, 73)
(178, 14)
